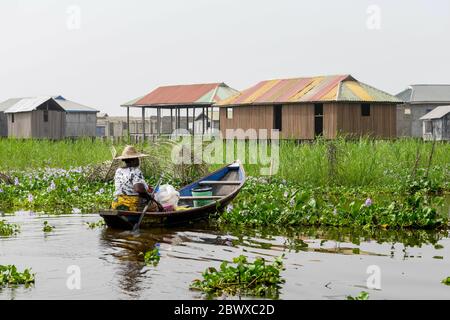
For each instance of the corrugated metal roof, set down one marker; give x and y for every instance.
(71, 106)
(8, 103)
(27, 104)
(131, 102)
(312, 89)
(426, 93)
(31, 103)
(437, 113)
(192, 94)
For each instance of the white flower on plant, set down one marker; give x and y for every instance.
(229, 208)
(75, 189)
(30, 198)
(52, 185)
(16, 181)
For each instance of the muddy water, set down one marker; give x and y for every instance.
(320, 264)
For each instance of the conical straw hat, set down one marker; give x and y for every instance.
(130, 153)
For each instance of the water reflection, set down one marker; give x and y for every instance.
(295, 237)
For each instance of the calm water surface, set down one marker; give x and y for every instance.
(320, 264)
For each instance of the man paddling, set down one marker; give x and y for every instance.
(131, 190)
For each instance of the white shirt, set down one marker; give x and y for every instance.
(125, 180)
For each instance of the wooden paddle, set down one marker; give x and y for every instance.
(152, 198)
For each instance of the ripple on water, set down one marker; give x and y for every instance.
(320, 263)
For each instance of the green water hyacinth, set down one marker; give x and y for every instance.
(55, 191)
(10, 276)
(266, 203)
(362, 296)
(257, 279)
(94, 225)
(152, 257)
(8, 229)
(446, 281)
(47, 227)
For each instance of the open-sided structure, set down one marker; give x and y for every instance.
(173, 101)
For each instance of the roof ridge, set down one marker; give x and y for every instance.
(430, 84)
(311, 77)
(191, 84)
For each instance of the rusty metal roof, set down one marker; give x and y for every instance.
(311, 89)
(192, 94)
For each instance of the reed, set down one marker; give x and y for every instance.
(18, 154)
(361, 163)
(351, 163)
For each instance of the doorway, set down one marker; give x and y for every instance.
(318, 119)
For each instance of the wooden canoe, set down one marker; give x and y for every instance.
(225, 183)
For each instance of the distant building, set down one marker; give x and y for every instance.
(436, 124)
(4, 117)
(189, 100)
(204, 120)
(77, 120)
(419, 100)
(304, 108)
(112, 126)
(81, 120)
(39, 117)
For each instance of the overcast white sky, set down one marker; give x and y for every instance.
(119, 50)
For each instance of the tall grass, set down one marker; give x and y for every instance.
(341, 162)
(364, 162)
(30, 154)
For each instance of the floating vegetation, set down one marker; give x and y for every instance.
(8, 229)
(152, 257)
(94, 225)
(362, 296)
(275, 202)
(446, 281)
(257, 279)
(47, 227)
(10, 276)
(54, 191)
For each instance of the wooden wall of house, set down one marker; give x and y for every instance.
(3, 125)
(330, 118)
(81, 124)
(249, 117)
(298, 120)
(381, 123)
(53, 129)
(21, 127)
